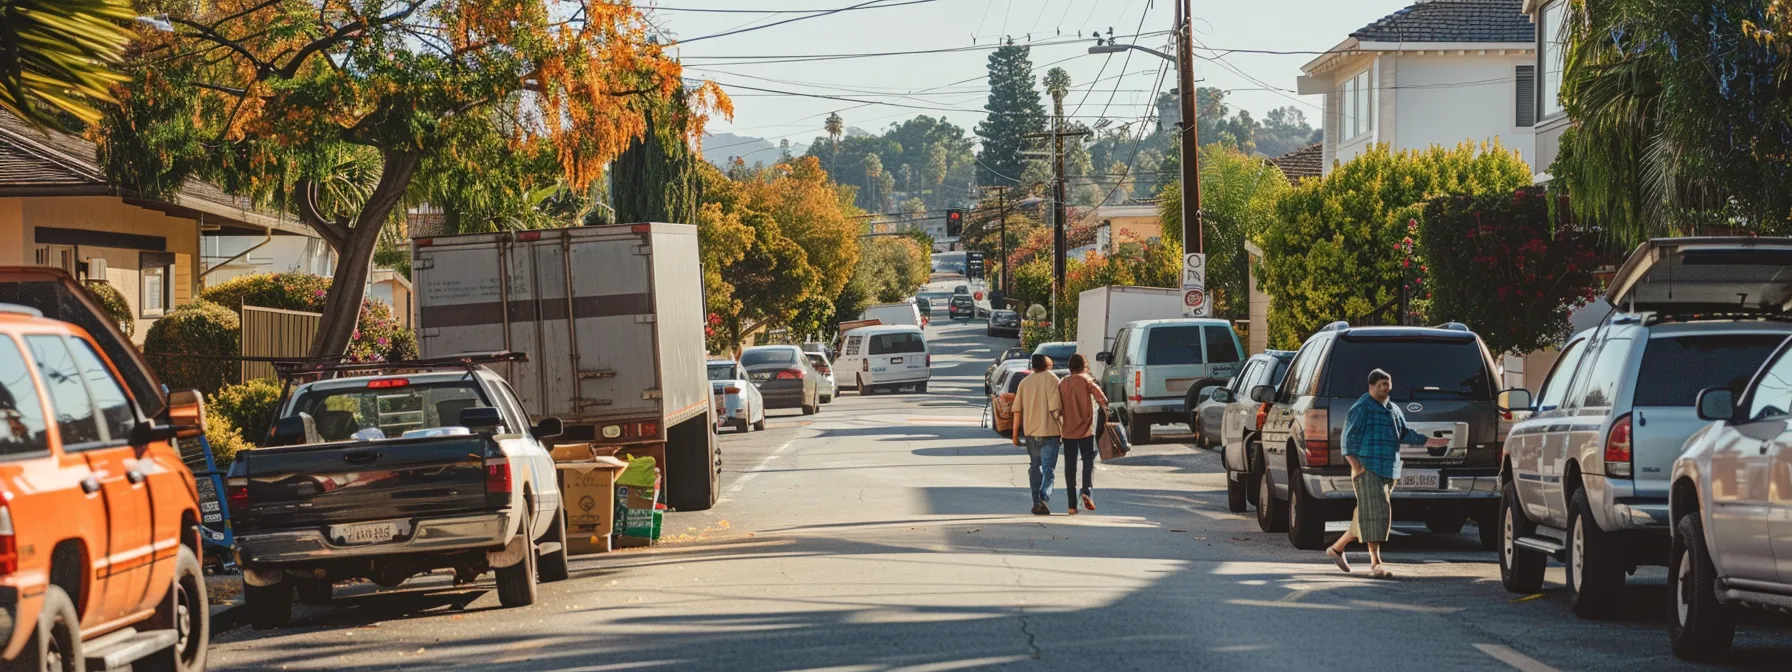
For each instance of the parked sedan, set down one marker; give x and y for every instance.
(1205, 420)
(823, 366)
(784, 377)
(737, 401)
(1014, 355)
(1004, 322)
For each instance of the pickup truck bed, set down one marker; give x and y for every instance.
(350, 482)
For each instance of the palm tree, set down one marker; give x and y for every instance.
(874, 170)
(1057, 85)
(58, 57)
(835, 126)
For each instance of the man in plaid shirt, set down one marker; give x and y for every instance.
(1373, 434)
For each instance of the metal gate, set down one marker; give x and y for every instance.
(272, 332)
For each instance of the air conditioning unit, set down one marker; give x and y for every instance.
(96, 268)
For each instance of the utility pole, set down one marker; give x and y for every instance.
(1059, 234)
(1190, 139)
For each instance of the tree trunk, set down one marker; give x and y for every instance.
(348, 286)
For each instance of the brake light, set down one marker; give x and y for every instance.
(1617, 448)
(425, 242)
(528, 236)
(824, 369)
(640, 228)
(865, 365)
(497, 476)
(1262, 414)
(730, 390)
(1315, 428)
(790, 374)
(930, 360)
(1138, 381)
(649, 429)
(9, 544)
(384, 383)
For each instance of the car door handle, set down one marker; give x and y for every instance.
(136, 477)
(361, 457)
(90, 485)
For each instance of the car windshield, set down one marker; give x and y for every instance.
(1678, 367)
(1059, 352)
(1421, 369)
(721, 372)
(897, 343)
(340, 413)
(1014, 353)
(758, 356)
(819, 361)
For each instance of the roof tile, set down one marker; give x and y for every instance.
(1453, 21)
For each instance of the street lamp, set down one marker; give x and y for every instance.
(1187, 139)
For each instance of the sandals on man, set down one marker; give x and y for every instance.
(1338, 559)
(1380, 572)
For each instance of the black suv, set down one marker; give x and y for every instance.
(1446, 385)
(961, 306)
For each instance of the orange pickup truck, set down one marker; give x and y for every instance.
(99, 545)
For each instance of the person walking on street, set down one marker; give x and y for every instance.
(1038, 416)
(1373, 434)
(1082, 400)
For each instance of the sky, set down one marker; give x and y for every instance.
(953, 83)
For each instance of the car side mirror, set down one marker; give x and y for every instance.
(1222, 395)
(548, 428)
(1717, 403)
(1104, 357)
(186, 413)
(481, 418)
(145, 433)
(1515, 399)
(1263, 394)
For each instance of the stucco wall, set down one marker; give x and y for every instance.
(20, 218)
(1446, 99)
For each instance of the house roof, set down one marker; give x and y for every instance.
(1453, 21)
(37, 162)
(1303, 163)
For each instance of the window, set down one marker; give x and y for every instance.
(1551, 45)
(22, 428)
(722, 372)
(1356, 101)
(1241, 383)
(1773, 395)
(852, 345)
(1120, 342)
(1421, 369)
(342, 412)
(1524, 78)
(897, 343)
(1601, 388)
(59, 256)
(1555, 387)
(115, 408)
(1221, 346)
(509, 402)
(1300, 373)
(1678, 367)
(68, 396)
(1173, 345)
(1059, 352)
(157, 283)
(757, 356)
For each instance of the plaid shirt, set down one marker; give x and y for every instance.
(1373, 433)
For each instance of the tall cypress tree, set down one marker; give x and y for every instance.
(1014, 110)
(656, 179)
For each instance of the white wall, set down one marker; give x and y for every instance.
(1446, 99)
(282, 254)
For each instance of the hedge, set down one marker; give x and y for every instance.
(249, 406)
(202, 328)
(378, 335)
(112, 301)
(225, 439)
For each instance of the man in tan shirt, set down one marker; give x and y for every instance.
(1038, 415)
(1082, 400)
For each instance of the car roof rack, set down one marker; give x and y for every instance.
(1340, 325)
(20, 310)
(297, 367)
(1453, 326)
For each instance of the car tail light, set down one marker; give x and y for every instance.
(864, 365)
(641, 228)
(1262, 414)
(529, 236)
(730, 390)
(9, 544)
(1617, 448)
(929, 361)
(1315, 427)
(649, 429)
(384, 383)
(790, 374)
(824, 369)
(497, 476)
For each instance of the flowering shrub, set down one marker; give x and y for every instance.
(378, 335)
(1511, 267)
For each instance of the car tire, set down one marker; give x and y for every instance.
(1487, 526)
(1703, 628)
(1138, 430)
(185, 611)
(1306, 516)
(760, 426)
(55, 644)
(1521, 569)
(1449, 522)
(1253, 471)
(810, 409)
(1237, 499)
(315, 592)
(1272, 514)
(269, 607)
(690, 471)
(827, 399)
(1595, 577)
(553, 565)
(921, 389)
(741, 426)
(517, 583)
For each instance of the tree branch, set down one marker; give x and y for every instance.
(342, 34)
(206, 33)
(334, 232)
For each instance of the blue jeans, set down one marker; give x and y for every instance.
(1073, 449)
(1042, 461)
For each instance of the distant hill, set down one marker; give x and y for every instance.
(719, 148)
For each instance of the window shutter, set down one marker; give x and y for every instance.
(1525, 77)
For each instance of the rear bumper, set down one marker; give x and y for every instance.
(891, 378)
(1162, 410)
(429, 535)
(1456, 483)
(1617, 506)
(783, 398)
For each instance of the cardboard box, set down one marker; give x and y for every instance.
(588, 489)
(572, 452)
(637, 519)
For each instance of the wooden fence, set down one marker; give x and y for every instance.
(272, 332)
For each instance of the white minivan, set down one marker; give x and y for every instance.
(885, 357)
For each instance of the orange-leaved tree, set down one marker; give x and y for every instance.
(347, 111)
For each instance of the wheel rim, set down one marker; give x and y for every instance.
(1577, 556)
(54, 650)
(1683, 596)
(1508, 550)
(1293, 507)
(1264, 497)
(183, 620)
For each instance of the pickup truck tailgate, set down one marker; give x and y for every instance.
(322, 484)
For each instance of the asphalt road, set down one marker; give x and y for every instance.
(893, 531)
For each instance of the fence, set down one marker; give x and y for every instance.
(272, 332)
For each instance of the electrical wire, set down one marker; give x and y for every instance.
(867, 4)
(708, 10)
(805, 58)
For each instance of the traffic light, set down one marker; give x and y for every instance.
(954, 223)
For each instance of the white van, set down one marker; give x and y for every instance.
(904, 313)
(885, 356)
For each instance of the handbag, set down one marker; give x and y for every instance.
(1110, 438)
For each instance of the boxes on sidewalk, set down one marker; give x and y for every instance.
(588, 490)
(638, 517)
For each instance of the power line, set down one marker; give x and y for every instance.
(804, 58)
(707, 10)
(867, 4)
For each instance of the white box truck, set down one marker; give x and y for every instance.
(611, 318)
(1102, 311)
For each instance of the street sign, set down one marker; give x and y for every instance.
(1194, 285)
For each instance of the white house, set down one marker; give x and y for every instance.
(1548, 16)
(1438, 72)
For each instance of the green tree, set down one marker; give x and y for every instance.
(656, 179)
(1238, 200)
(60, 57)
(1334, 249)
(1284, 130)
(1014, 111)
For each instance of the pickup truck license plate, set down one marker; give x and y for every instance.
(1419, 479)
(365, 533)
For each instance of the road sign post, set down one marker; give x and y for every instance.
(1195, 302)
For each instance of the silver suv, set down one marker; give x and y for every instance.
(1444, 381)
(1585, 476)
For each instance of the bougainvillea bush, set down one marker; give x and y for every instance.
(1509, 266)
